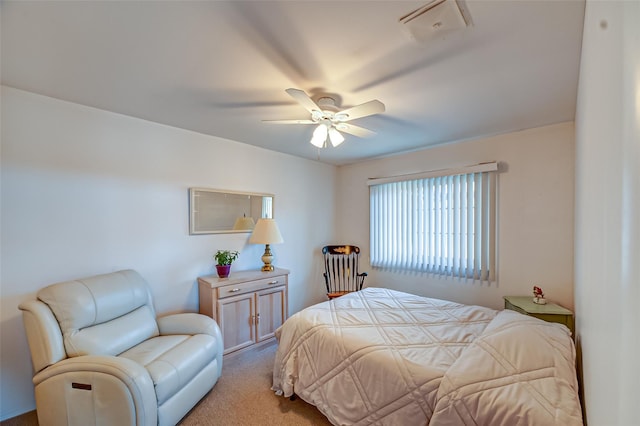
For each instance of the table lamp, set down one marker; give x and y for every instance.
(244, 223)
(266, 232)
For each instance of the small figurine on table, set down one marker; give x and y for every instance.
(538, 296)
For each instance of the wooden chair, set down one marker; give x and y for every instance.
(341, 274)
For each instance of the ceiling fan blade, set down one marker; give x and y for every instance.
(363, 110)
(289, 121)
(303, 99)
(358, 131)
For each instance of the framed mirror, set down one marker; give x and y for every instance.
(213, 211)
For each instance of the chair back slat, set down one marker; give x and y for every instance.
(341, 274)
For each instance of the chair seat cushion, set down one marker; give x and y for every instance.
(173, 361)
(335, 294)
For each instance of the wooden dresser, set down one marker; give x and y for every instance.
(248, 305)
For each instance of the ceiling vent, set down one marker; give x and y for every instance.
(433, 20)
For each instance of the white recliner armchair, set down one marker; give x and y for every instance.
(101, 357)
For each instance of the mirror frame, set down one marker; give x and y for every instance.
(194, 229)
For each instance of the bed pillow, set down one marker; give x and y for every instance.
(520, 371)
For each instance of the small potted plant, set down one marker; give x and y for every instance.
(224, 259)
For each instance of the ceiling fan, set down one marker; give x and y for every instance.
(330, 120)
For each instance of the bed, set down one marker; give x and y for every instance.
(384, 357)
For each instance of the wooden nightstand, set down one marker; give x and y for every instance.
(549, 312)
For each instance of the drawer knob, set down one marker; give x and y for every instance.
(233, 290)
(273, 282)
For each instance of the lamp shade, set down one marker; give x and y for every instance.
(244, 224)
(266, 232)
(319, 135)
(335, 137)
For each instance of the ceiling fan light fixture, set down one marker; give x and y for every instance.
(335, 137)
(319, 135)
(317, 115)
(341, 116)
(330, 120)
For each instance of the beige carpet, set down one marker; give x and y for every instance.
(242, 396)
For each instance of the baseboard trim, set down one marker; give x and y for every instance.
(30, 418)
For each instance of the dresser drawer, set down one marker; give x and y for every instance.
(250, 286)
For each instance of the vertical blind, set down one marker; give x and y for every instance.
(267, 208)
(442, 224)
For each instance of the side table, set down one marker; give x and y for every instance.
(550, 312)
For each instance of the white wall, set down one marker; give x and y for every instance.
(535, 209)
(86, 191)
(607, 266)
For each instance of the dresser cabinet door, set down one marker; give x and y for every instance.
(271, 311)
(237, 317)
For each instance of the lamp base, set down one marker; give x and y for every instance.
(267, 258)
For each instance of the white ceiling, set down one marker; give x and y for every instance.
(220, 67)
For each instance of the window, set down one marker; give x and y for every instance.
(437, 222)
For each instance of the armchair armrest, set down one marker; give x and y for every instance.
(188, 323)
(106, 377)
(43, 333)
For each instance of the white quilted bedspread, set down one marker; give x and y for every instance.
(520, 371)
(376, 356)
